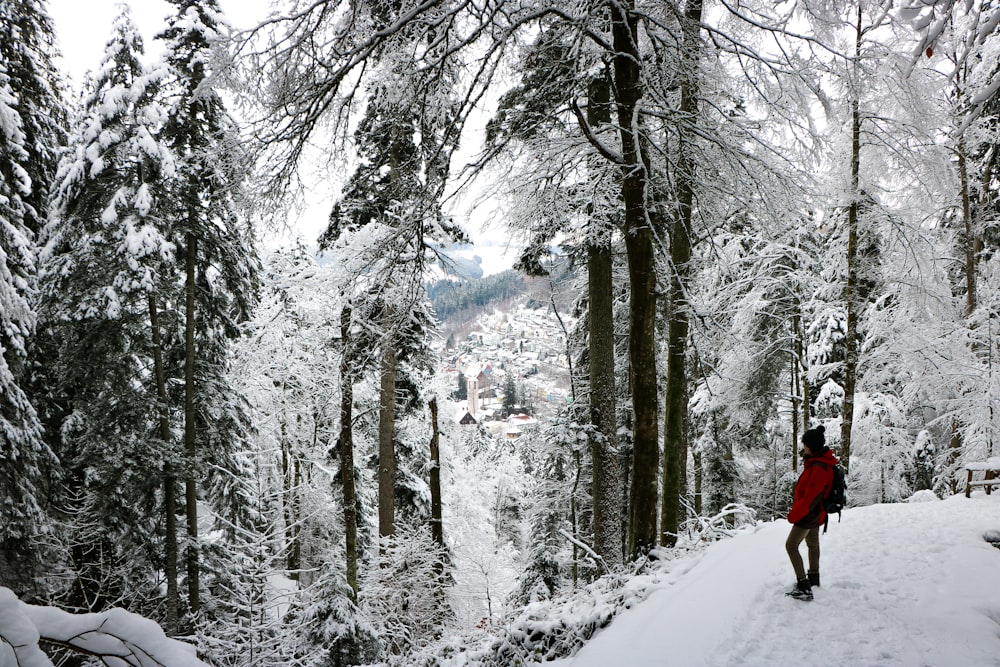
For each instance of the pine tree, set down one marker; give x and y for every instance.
(23, 454)
(330, 625)
(106, 257)
(32, 130)
(27, 48)
(220, 267)
(387, 220)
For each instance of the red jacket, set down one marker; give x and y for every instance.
(814, 483)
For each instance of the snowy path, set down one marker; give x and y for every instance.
(907, 585)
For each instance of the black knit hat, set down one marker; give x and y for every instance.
(815, 440)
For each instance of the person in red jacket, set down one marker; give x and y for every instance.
(807, 515)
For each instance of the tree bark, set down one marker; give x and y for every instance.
(437, 526)
(386, 449)
(286, 498)
(851, 289)
(294, 528)
(800, 387)
(169, 480)
(190, 447)
(676, 417)
(347, 453)
(642, 281)
(699, 476)
(970, 254)
(606, 484)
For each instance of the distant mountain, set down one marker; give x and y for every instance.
(458, 301)
(463, 268)
(450, 296)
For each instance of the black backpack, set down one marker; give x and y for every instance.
(836, 497)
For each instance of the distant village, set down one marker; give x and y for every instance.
(520, 352)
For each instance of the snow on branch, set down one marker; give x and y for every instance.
(115, 637)
(587, 550)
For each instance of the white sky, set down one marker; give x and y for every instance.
(83, 26)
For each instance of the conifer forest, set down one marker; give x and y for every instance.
(759, 217)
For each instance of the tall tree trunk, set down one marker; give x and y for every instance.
(606, 484)
(347, 453)
(676, 409)
(286, 494)
(642, 281)
(295, 527)
(572, 514)
(973, 245)
(794, 392)
(699, 478)
(973, 240)
(970, 253)
(169, 480)
(386, 449)
(190, 448)
(851, 289)
(800, 385)
(437, 527)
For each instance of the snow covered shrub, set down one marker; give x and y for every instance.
(403, 592)
(829, 402)
(880, 450)
(330, 629)
(549, 629)
(540, 579)
(725, 523)
(925, 496)
(920, 472)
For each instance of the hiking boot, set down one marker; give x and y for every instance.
(802, 591)
(814, 579)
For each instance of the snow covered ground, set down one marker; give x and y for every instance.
(908, 585)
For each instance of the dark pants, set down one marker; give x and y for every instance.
(811, 536)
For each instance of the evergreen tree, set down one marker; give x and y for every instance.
(332, 631)
(23, 453)
(106, 257)
(387, 220)
(32, 130)
(220, 265)
(27, 49)
(509, 394)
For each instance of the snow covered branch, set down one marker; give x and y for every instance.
(590, 552)
(115, 637)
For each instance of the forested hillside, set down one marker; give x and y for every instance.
(452, 297)
(762, 217)
(457, 302)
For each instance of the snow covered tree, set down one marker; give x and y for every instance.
(965, 39)
(332, 631)
(387, 219)
(107, 258)
(27, 49)
(32, 131)
(552, 459)
(403, 595)
(215, 241)
(25, 453)
(535, 132)
(883, 451)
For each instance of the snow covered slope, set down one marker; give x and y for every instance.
(906, 585)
